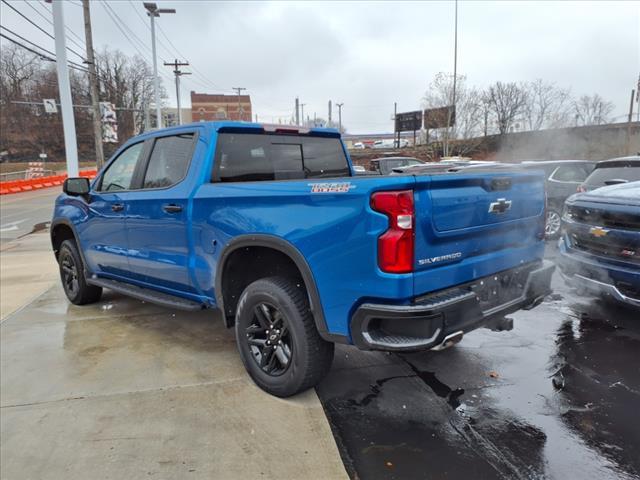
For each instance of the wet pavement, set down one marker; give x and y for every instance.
(128, 389)
(557, 397)
(122, 389)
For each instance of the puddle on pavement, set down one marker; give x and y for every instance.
(563, 405)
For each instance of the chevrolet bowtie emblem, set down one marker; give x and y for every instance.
(501, 206)
(598, 231)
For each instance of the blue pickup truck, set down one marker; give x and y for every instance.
(600, 245)
(269, 225)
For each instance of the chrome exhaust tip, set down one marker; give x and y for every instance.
(449, 341)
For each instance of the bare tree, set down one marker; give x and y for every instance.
(506, 102)
(546, 106)
(127, 83)
(468, 113)
(19, 69)
(592, 110)
(25, 128)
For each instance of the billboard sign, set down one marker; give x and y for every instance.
(408, 121)
(438, 117)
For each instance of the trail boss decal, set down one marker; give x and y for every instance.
(337, 187)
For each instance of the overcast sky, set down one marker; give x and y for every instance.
(370, 54)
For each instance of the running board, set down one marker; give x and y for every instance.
(148, 295)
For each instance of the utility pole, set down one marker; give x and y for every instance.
(396, 143)
(178, 73)
(240, 112)
(297, 111)
(66, 102)
(93, 85)
(628, 149)
(329, 119)
(339, 105)
(302, 111)
(153, 11)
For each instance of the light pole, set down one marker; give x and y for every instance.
(452, 107)
(64, 87)
(153, 11)
(339, 105)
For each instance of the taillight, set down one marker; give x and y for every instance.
(395, 246)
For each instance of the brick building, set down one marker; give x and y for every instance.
(206, 107)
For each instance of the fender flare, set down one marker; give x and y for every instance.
(283, 246)
(71, 226)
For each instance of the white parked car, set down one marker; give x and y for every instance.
(383, 144)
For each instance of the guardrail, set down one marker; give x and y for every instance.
(17, 186)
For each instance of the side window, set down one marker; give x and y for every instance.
(169, 161)
(574, 173)
(120, 173)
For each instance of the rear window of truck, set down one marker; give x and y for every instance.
(247, 157)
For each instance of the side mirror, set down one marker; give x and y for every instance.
(76, 186)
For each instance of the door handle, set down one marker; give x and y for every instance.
(172, 208)
(117, 207)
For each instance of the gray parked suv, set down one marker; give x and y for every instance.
(563, 179)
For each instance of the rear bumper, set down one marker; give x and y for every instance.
(438, 318)
(587, 273)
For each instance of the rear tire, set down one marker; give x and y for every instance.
(72, 275)
(277, 337)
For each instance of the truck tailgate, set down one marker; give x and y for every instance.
(470, 225)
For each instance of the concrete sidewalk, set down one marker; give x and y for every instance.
(27, 269)
(125, 389)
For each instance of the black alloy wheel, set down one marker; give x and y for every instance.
(69, 274)
(72, 275)
(269, 339)
(277, 337)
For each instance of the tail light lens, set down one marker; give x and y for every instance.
(396, 245)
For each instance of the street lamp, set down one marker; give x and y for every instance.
(153, 11)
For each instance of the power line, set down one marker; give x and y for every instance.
(79, 45)
(71, 64)
(38, 27)
(202, 80)
(75, 66)
(124, 25)
(28, 41)
(41, 55)
(124, 33)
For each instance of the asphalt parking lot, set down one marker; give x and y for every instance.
(556, 397)
(127, 390)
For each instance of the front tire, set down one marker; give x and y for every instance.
(553, 224)
(277, 337)
(72, 275)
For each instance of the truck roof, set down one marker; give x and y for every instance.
(249, 126)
